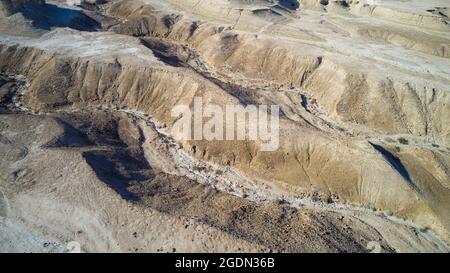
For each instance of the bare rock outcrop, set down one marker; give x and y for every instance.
(314, 162)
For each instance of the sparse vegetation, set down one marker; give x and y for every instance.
(244, 193)
(282, 201)
(403, 141)
(315, 198)
(198, 168)
(424, 229)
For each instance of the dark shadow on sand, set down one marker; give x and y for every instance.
(50, 16)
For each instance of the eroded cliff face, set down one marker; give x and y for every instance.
(361, 124)
(407, 102)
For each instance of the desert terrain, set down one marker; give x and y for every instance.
(88, 154)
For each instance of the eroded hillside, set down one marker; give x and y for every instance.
(87, 94)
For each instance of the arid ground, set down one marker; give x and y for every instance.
(87, 152)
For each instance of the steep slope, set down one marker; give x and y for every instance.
(363, 124)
